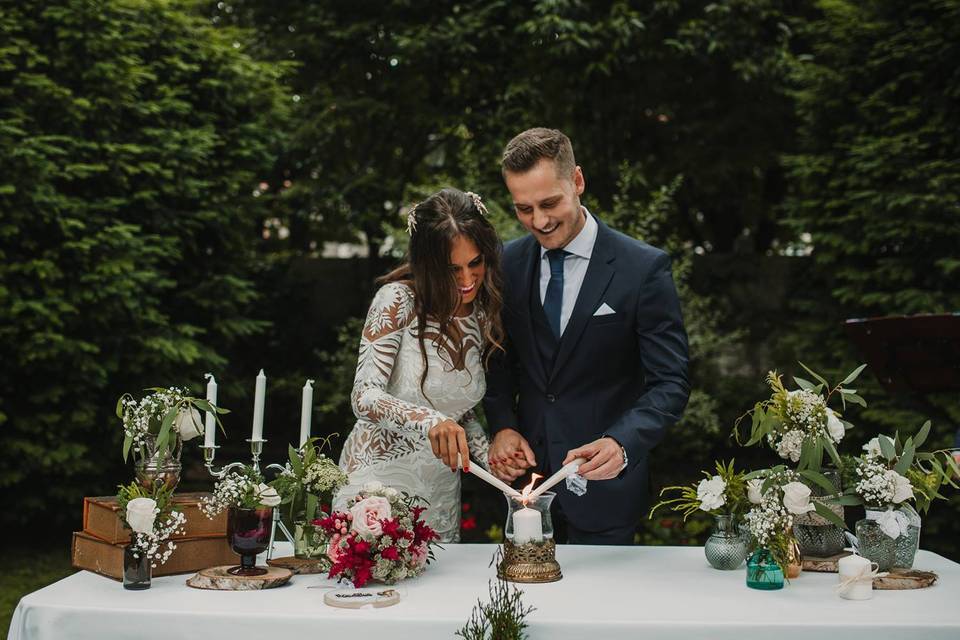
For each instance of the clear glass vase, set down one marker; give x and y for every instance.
(908, 543)
(153, 467)
(528, 521)
(815, 535)
(137, 572)
(763, 572)
(306, 542)
(726, 548)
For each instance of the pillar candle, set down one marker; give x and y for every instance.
(306, 412)
(851, 566)
(258, 400)
(210, 422)
(527, 526)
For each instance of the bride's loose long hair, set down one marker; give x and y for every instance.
(436, 222)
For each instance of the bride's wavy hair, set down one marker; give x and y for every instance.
(434, 224)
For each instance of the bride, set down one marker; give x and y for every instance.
(428, 334)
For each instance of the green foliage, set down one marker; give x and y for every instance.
(131, 136)
(503, 617)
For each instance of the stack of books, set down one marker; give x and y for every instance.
(99, 547)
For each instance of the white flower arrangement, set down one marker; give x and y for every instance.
(797, 423)
(243, 490)
(158, 422)
(152, 520)
(722, 493)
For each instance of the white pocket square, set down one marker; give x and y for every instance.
(604, 310)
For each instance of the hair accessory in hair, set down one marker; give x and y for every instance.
(478, 202)
(412, 219)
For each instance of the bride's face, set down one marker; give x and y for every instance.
(466, 264)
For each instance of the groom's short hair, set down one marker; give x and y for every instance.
(527, 149)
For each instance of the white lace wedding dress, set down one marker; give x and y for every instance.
(389, 442)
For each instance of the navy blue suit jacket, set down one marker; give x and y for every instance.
(622, 375)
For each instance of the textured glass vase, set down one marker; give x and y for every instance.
(906, 547)
(815, 535)
(136, 568)
(306, 542)
(763, 572)
(875, 545)
(726, 548)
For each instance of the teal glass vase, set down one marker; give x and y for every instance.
(763, 572)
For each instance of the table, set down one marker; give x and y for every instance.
(606, 592)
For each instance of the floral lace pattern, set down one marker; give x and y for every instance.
(389, 441)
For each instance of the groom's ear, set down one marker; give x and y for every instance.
(578, 180)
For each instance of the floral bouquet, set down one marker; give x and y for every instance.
(242, 489)
(891, 474)
(157, 423)
(308, 479)
(381, 537)
(777, 495)
(797, 423)
(151, 518)
(723, 493)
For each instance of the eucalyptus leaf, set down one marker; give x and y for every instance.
(887, 447)
(816, 375)
(819, 479)
(804, 384)
(853, 374)
(855, 399)
(906, 458)
(832, 452)
(826, 512)
(127, 443)
(921, 436)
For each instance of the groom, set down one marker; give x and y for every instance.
(596, 361)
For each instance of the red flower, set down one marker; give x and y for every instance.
(468, 523)
(423, 533)
(390, 553)
(466, 507)
(416, 512)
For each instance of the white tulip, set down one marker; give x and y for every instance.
(267, 495)
(188, 423)
(753, 490)
(834, 427)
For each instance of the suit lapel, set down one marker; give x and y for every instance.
(528, 277)
(595, 282)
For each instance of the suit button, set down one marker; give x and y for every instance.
(551, 398)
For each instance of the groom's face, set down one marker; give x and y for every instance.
(547, 204)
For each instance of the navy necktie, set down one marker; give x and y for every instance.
(553, 300)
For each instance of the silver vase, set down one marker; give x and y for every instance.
(163, 467)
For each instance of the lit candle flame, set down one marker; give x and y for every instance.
(527, 489)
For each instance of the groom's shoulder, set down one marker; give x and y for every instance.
(514, 250)
(635, 252)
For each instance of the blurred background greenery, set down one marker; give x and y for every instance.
(212, 186)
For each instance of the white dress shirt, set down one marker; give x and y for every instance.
(575, 265)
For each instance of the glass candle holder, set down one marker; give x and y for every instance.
(529, 521)
(248, 531)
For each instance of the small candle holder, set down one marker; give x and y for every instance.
(529, 551)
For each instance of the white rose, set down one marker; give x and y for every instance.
(267, 495)
(141, 513)
(902, 489)
(753, 490)
(834, 427)
(873, 448)
(710, 493)
(796, 498)
(188, 423)
(372, 487)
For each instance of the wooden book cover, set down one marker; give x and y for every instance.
(101, 518)
(191, 554)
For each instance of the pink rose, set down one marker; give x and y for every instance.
(334, 551)
(368, 513)
(419, 554)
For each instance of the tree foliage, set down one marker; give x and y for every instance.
(131, 137)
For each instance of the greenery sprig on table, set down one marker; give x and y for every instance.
(503, 617)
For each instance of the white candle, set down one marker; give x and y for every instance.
(258, 400)
(527, 526)
(850, 567)
(567, 469)
(210, 422)
(487, 477)
(306, 412)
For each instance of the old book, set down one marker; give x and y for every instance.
(101, 518)
(191, 554)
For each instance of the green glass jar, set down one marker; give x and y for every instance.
(763, 572)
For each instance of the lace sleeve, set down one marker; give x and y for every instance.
(477, 441)
(390, 314)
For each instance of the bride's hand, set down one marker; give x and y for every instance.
(447, 440)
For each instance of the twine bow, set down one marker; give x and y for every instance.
(866, 573)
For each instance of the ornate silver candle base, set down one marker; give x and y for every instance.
(529, 562)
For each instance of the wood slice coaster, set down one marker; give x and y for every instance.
(823, 565)
(217, 578)
(905, 579)
(356, 598)
(298, 565)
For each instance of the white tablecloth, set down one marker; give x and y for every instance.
(606, 592)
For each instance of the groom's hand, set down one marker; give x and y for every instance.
(448, 439)
(510, 455)
(604, 459)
